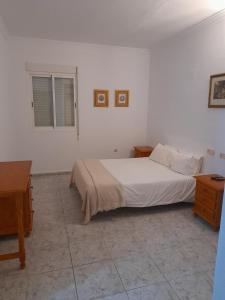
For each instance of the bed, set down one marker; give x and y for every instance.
(133, 182)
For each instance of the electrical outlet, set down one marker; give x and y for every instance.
(211, 152)
(222, 155)
(115, 150)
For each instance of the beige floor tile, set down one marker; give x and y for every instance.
(43, 237)
(13, 287)
(122, 296)
(123, 247)
(56, 285)
(97, 280)
(137, 271)
(84, 232)
(11, 268)
(156, 291)
(46, 259)
(192, 287)
(42, 219)
(88, 251)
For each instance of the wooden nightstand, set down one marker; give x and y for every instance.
(208, 199)
(142, 151)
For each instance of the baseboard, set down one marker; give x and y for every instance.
(51, 173)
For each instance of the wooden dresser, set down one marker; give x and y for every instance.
(15, 177)
(16, 213)
(208, 199)
(142, 151)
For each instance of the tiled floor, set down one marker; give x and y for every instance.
(137, 254)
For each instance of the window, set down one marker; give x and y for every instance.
(53, 101)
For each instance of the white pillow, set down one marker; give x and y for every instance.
(162, 154)
(197, 161)
(171, 153)
(171, 148)
(186, 164)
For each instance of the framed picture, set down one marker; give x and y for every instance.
(217, 91)
(101, 98)
(122, 98)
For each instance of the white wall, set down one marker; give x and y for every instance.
(101, 129)
(6, 120)
(179, 82)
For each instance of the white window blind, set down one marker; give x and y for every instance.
(42, 99)
(53, 101)
(64, 101)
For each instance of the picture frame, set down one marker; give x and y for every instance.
(121, 98)
(217, 91)
(101, 98)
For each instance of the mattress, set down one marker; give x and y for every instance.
(147, 183)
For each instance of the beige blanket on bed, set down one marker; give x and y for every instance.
(99, 190)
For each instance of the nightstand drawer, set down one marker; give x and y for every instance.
(206, 196)
(204, 212)
(141, 154)
(142, 151)
(208, 203)
(208, 199)
(206, 192)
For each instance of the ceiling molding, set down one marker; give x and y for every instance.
(215, 18)
(147, 21)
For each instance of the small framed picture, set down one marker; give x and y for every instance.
(101, 98)
(122, 98)
(217, 91)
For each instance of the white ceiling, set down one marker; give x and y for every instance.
(138, 23)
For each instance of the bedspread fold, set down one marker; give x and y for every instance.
(99, 190)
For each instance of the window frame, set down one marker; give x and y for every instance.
(53, 76)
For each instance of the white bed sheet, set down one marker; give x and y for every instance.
(147, 183)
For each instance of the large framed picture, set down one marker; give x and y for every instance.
(217, 91)
(122, 98)
(101, 98)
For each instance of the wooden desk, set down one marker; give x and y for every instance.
(15, 204)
